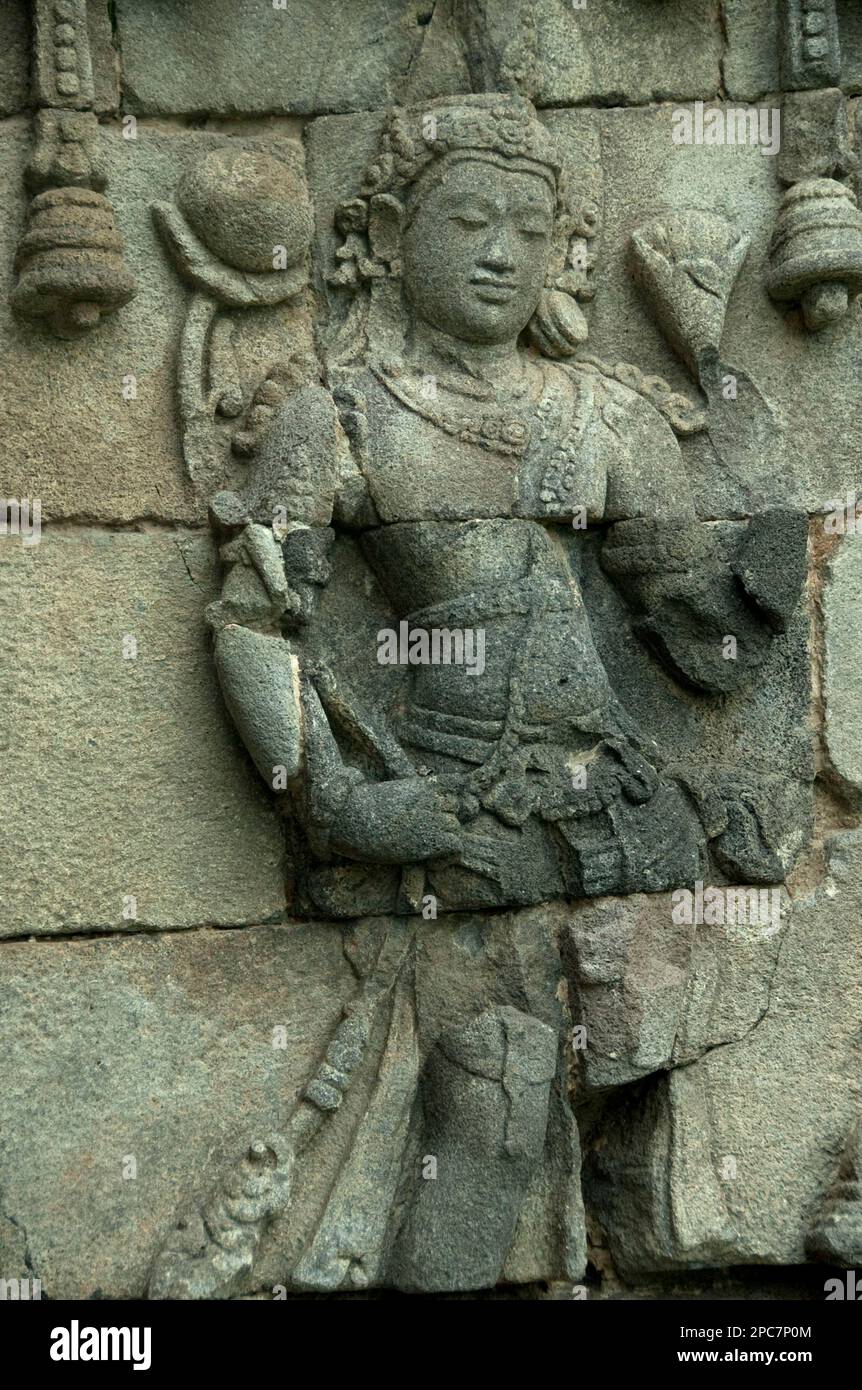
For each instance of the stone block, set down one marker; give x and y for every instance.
(753, 46)
(655, 991)
(842, 685)
(124, 777)
(134, 1068)
(15, 48)
(14, 57)
(815, 136)
(246, 59)
(612, 54)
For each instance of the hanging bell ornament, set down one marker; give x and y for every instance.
(815, 257)
(70, 258)
(70, 262)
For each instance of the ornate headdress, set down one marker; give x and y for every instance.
(502, 125)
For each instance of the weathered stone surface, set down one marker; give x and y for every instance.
(132, 1067)
(850, 32)
(92, 426)
(602, 53)
(143, 1067)
(249, 58)
(15, 44)
(125, 778)
(629, 974)
(737, 1151)
(472, 1065)
(732, 971)
(644, 168)
(607, 54)
(842, 687)
(76, 225)
(750, 64)
(761, 449)
(654, 991)
(612, 53)
(15, 59)
(752, 57)
(809, 60)
(729, 747)
(104, 58)
(467, 969)
(836, 1234)
(426, 792)
(508, 412)
(815, 137)
(638, 158)
(810, 263)
(723, 754)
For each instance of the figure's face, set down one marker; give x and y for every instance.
(475, 253)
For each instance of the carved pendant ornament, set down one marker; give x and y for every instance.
(70, 260)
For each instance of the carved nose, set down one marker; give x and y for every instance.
(498, 255)
(499, 261)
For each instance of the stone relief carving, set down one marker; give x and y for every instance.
(687, 263)
(455, 446)
(836, 1236)
(70, 259)
(816, 252)
(811, 51)
(238, 234)
(509, 683)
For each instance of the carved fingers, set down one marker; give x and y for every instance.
(397, 822)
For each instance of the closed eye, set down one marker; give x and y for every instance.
(469, 220)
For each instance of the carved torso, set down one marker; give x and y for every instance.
(546, 446)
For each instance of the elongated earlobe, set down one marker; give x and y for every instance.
(558, 327)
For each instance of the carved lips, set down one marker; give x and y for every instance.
(493, 290)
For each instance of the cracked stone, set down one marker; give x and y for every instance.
(727, 1160)
(655, 993)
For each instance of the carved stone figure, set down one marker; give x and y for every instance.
(452, 459)
(456, 443)
(433, 783)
